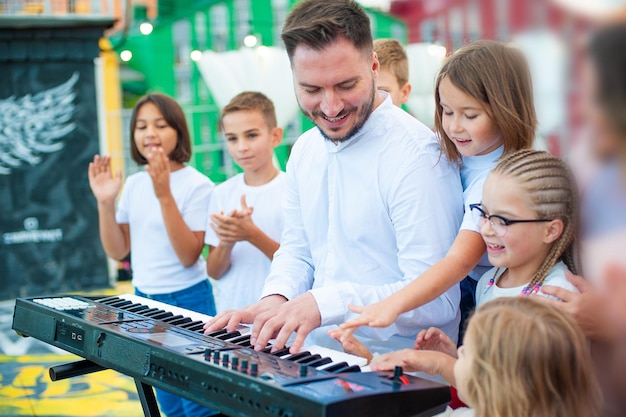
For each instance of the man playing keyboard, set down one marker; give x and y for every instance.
(370, 205)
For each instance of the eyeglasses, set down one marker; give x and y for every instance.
(498, 224)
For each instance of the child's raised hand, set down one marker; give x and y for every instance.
(410, 360)
(104, 185)
(380, 314)
(159, 170)
(350, 343)
(435, 339)
(233, 228)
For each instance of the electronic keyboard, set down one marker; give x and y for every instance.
(164, 346)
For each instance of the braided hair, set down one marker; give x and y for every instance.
(553, 192)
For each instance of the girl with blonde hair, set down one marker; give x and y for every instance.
(522, 358)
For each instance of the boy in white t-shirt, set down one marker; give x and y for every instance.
(246, 219)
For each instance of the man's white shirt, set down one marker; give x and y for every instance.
(363, 219)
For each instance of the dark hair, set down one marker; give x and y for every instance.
(497, 76)
(174, 116)
(319, 23)
(606, 50)
(252, 101)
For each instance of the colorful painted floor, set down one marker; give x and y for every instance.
(26, 388)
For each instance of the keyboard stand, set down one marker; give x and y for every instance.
(84, 367)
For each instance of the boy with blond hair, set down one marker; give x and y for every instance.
(246, 220)
(393, 76)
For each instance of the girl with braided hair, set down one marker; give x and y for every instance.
(528, 218)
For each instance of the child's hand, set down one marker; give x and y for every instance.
(380, 314)
(350, 343)
(104, 185)
(435, 339)
(236, 226)
(159, 169)
(410, 361)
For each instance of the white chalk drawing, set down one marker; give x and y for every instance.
(31, 126)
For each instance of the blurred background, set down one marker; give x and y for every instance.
(71, 70)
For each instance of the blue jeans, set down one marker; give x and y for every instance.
(199, 298)
(468, 303)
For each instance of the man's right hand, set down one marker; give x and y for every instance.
(232, 318)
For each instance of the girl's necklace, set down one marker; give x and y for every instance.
(527, 290)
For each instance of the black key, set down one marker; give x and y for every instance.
(148, 311)
(120, 303)
(140, 307)
(238, 340)
(298, 355)
(320, 362)
(217, 333)
(280, 352)
(196, 328)
(156, 312)
(129, 306)
(107, 300)
(353, 368)
(229, 335)
(305, 361)
(335, 367)
(181, 320)
(162, 315)
(172, 318)
(190, 324)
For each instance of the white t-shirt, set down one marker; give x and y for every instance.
(485, 293)
(459, 412)
(156, 268)
(242, 284)
(474, 172)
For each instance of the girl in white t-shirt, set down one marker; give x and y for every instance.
(484, 112)
(160, 218)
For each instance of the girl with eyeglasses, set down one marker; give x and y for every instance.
(528, 219)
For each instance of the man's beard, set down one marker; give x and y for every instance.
(362, 115)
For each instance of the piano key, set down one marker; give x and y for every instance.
(308, 359)
(139, 308)
(161, 316)
(120, 303)
(337, 356)
(228, 335)
(107, 300)
(298, 355)
(281, 352)
(242, 340)
(217, 333)
(353, 368)
(191, 324)
(335, 367)
(180, 321)
(319, 362)
(171, 318)
(130, 306)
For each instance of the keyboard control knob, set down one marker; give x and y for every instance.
(225, 360)
(244, 366)
(207, 354)
(235, 363)
(216, 357)
(304, 370)
(120, 315)
(254, 369)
